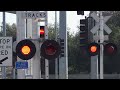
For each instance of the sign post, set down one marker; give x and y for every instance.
(4, 34)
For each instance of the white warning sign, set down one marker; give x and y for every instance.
(6, 51)
(34, 14)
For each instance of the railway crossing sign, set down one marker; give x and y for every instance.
(97, 26)
(5, 51)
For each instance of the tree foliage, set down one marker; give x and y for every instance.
(112, 63)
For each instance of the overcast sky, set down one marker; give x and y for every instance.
(73, 19)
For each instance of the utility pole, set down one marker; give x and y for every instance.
(63, 61)
(101, 26)
(56, 35)
(4, 34)
(101, 34)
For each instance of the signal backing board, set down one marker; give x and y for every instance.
(6, 51)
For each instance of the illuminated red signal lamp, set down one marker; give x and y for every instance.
(42, 31)
(93, 49)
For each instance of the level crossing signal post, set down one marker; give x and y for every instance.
(29, 48)
(35, 35)
(97, 46)
(100, 48)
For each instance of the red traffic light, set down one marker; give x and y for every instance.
(50, 49)
(42, 31)
(93, 49)
(25, 49)
(110, 49)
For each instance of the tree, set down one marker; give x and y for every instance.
(10, 30)
(112, 63)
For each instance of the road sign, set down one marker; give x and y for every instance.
(97, 26)
(34, 14)
(21, 65)
(6, 51)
